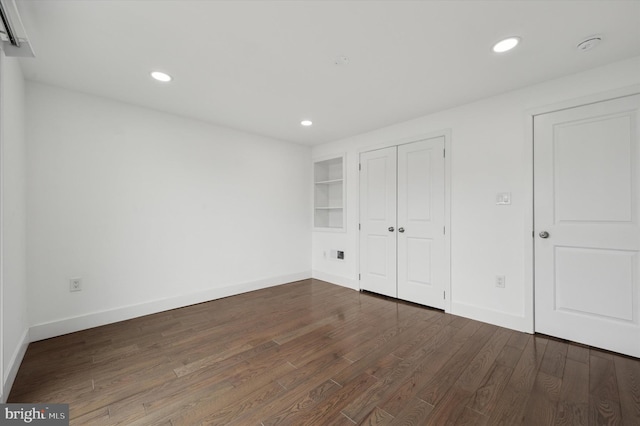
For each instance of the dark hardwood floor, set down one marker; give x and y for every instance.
(311, 353)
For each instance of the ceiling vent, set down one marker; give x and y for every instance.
(13, 37)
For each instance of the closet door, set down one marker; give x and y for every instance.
(421, 244)
(378, 172)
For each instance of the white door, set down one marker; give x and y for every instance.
(402, 241)
(421, 244)
(378, 221)
(587, 234)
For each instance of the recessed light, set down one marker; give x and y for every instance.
(506, 44)
(161, 76)
(306, 123)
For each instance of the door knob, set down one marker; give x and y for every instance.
(391, 229)
(400, 229)
(544, 234)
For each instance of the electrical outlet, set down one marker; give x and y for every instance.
(75, 284)
(503, 198)
(500, 281)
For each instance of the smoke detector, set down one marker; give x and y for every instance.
(341, 60)
(589, 43)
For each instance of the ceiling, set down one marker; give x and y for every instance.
(263, 66)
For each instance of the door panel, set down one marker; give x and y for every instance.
(603, 278)
(377, 215)
(378, 250)
(421, 247)
(418, 261)
(586, 189)
(603, 172)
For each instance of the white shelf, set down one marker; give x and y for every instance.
(329, 194)
(330, 182)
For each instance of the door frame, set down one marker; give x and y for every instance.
(446, 133)
(529, 219)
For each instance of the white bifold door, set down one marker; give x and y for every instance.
(402, 219)
(587, 231)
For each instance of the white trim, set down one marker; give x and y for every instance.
(447, 214)
(96, 319)
(336, 279)
(446, 133)
(406, 140)
(529, 222)
(621, 92)
(501, 319)
(14, 365)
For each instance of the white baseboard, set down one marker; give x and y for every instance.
(96, 319)
(502, 319)
(335, 279)
(14, 365)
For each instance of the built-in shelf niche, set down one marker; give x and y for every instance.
(329, 194)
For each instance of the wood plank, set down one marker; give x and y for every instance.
(436, 388)
(554, 358)
(508, 411)
(331, 408)
(222, 410)
(450, 407)
(578, 353)
(628, 378)
(518, 340)
(604, 400)
(446, 341)
(509, 356)
(377, 417)
(432, 326)
(416, 412)
(279, 356)
(470, 417)
(396, 333)
(573, 406)
(435, 357)
(97, 417)
(476, 370)
(541, 405)
(486, 397)
(364, 362)
(316, 386)
(362, 404)
(341, 421)
(302, 404)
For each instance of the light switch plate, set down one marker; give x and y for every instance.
(75, 284)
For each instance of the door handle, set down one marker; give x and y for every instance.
(544, 234)
(400, 229)
(391, 229)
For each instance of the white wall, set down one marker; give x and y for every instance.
(153, 211)
(490, 154)
(13, 285)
